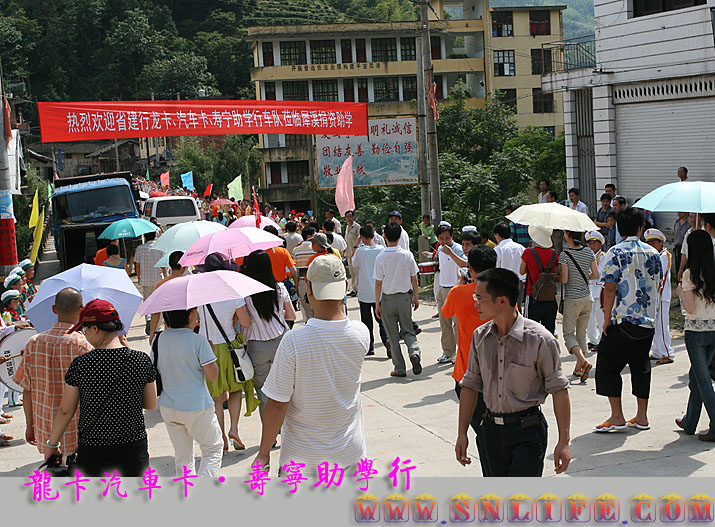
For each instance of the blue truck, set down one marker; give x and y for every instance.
(82, 207)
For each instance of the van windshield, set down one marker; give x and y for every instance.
(172, 208)
(94, 203)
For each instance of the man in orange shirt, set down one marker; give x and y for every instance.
(102, 255)
(460, 303)
(282, 263)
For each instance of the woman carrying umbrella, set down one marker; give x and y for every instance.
(263, 318)
(114, 384)
(226, 387)
(697, 296)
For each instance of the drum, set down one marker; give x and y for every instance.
(429, 267)
(13, 345)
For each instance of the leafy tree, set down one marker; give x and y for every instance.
(183, 74)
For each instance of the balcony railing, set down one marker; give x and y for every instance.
(571, 54)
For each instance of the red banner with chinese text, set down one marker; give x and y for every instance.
(83, 121)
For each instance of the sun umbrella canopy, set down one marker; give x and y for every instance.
(222, 201)
(554, 216)
(250, 221)
(233, 243)
(127, 228)
(200, 289)
(683, 196)
(93, 281)
(158, 194)
(180, 237)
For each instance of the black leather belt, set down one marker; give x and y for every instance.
(510, 419)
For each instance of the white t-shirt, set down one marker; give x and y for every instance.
(509, 256)
(224, 313)
(448, 268)
(339, 242)
(364, 262)
(404, 242)
(318, 370)
(266, 330)
(395, 267)
(293, 239)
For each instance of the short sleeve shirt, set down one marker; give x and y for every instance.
(94, 373)
(576, 286)
(182, 355)
(532, 267)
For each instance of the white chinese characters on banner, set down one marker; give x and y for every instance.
(388, 156)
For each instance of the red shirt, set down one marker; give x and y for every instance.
(532, 268)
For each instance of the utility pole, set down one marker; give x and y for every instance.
(426, 73)
(116, 155)
(8, 243)
(422, 130)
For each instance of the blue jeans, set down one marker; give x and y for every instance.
(701, 349)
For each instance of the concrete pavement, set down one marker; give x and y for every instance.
(416, 418)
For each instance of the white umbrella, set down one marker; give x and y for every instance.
(554, 216)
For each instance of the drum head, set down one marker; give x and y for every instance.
(13, 344)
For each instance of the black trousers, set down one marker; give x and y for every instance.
(129, 459)
(542, 312)
(477, 426)
(367, 310)
(514, 451)
(625, 344)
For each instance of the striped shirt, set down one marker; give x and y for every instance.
(261, 329)
(146, 257)
(395, 267)
(46, 360)
(576, 287)
(317, 370)
(302, 252)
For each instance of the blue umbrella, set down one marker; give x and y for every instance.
(683, 196)
(93, 281)
(128, 228)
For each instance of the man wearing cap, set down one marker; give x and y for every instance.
(396, 217)
(662, 350)
(47, 357)
(29, 268)
(313, 388)
(595, 241)
(541, 304)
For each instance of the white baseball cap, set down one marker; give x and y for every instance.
(327, 278)
(468, 228)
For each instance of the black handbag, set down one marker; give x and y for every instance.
(155, 351)
(53, 464)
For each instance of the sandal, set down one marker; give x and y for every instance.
(7, 416)
(631, 423)
(4, 421)
(237, 443)
(607, 426)
(587, 367)
(664, 360)
(5, 437)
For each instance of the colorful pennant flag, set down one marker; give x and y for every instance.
(235, 189)
(164, 178)
(34, 214)
(208, 190)
(187, 180)
(256, 208)
(344, 196)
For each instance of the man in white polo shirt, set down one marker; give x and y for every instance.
(448, 275)
(509, 255)
(313, 388)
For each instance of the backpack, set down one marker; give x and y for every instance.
(544, 289)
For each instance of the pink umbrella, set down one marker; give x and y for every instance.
(250, 221)
(233, 243)
(198, 290)
(222, 201)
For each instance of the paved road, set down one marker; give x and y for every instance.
(416, 418)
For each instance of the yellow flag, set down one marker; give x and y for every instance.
(35, 212)
(38, 236)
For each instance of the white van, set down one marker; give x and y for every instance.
(170, 210)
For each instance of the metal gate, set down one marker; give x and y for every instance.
(585, 148)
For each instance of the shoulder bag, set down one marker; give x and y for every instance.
(583, 275)
(155, 351)
(54, 463)
(242, 365)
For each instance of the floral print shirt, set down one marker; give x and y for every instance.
(636, 269)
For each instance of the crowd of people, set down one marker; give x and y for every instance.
(497, 303)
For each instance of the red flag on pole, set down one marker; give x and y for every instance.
(164, 178)
(432, 95)
(256, 209)
(208, 190)
(344, 196)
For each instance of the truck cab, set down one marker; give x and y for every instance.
(82, 207)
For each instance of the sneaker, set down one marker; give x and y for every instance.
(416, 365)
(351, 294)
(370, 353)
(444, 359)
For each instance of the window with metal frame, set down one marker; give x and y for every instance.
(649, 7)
(348, 90)
(407, 48)
(504, 65)
(436, 44)
(297, 140)
(325, 90)
(346, 51)
(360, 50)
(508, 97)
(270, 88)
(540, 61)
(384, 49)
(295, 90)
(502, 24)
(409, 88)
(387, 89)
(322, 52)
(293, 52)
(540, 22)
(362, 90)
(268, 54)
(297, 171)
(542, 102)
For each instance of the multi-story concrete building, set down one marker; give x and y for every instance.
(639, 100)
(517, 61)
(376, 63)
